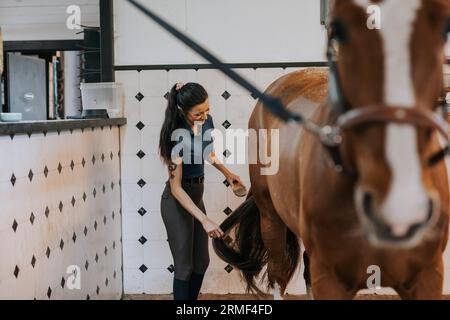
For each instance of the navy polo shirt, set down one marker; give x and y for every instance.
(195, 148)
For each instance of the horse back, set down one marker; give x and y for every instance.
(302, 92)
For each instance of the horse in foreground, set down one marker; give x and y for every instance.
(379, 197)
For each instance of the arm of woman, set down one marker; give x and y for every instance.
(175, 175)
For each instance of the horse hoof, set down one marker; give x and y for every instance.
(277, 293)
(309, 293)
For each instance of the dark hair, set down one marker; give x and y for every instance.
(190, 95)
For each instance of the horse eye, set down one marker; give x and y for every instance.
(447, 29)
(338, 31)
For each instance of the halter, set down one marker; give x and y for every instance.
(330, 136)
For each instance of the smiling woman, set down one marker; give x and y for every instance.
(182, 207)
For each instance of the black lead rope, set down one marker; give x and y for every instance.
(274, 104)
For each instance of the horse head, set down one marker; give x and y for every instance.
(395, 70)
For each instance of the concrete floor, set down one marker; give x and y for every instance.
(248, 297)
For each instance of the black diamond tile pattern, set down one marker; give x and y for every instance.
(96, 258)
(139, 96)
(13, 179)
(226, 124)
(63, 282)
(86, 265)
(166, 95)
(16, 271)
(32, 217)
(142, 240)
(74, 237)
(49, 292)
(141, 183)
(140, 154)
(228, 268)
(47, 211)
(226, 183)
(73, 201)
(142, 211)
(61, 206)
(46, 171)
(227, 211)
(140, 125)
(84, 196)
(61, 244)
(227, 153)
(15, 225)
(143, 268)
(226, 95)
(83, 162)
(33, 261)
(72, 165)
(30, 175)
(47, 253)
(171, 268)
(59, 167)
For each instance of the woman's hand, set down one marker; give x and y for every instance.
(212, 229)
(232, 179)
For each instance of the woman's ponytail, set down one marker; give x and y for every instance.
(171, 122)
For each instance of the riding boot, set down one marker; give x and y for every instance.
(195, 283)
(180, 289)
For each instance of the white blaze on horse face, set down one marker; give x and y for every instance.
(406, 202)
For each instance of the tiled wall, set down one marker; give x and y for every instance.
(60, 206)
(147, 258)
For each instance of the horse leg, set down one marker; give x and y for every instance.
(326, 285)
(427, 286)
(273, 233)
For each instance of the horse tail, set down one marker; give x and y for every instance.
(247, 251)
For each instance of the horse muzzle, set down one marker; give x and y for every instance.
(382, 233)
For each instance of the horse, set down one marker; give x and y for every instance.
(376, 198)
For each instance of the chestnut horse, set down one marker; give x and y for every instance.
(386, 205)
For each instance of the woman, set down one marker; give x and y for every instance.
(182, 207)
